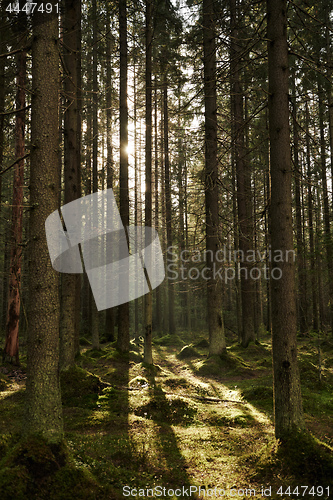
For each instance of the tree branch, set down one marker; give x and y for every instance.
(14, 163)
(14, 111)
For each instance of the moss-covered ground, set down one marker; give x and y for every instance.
(188, 422)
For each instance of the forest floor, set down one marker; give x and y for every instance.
(199, 427)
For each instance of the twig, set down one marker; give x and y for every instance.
(14, 163)
(200, 398)
(6, 54)
(6, 113)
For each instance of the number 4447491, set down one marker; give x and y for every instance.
(31, 7)
(301, 491)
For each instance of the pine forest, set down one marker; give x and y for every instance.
(166, 249)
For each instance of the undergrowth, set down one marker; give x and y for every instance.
(189, 420)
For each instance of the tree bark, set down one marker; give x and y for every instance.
(168, 214)
(148, 353)
(11, 349)
(123, 310)
(243, 176)
(79, 277)
(217, 345)
(2, 146)
(68, 320)
(301, 266)
(287, 390)
(327, 228)
(94, 311)
(43, 399)
(109, 318)
(315, 308)
(158, 308)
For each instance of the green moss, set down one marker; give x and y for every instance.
(4, 383)
(230, 420)
(134, 347)
(169, 340)
(174, 382)
(318, 402)
(258, 393)
(128, 437)
(6, 441)
(202, 343)
(79, 387)
(169, 411)
(84, 341)
(14, 482)
(35, 469)
(222, 365)
(301, 457)
(73, 483)
(188, 351)
(96, 353)
(28, 466)
(135, 356)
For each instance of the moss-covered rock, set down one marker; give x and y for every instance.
(135, 356)
(168, 410)
(79, 387)
(34, 469)
(169, 340)
(203, 343)
(258, 393)
(188, 351)
(228, 363)
(301, 457)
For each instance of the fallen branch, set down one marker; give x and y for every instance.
(200, 398)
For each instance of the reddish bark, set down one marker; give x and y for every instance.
(11, 349)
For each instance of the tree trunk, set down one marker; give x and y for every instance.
(158, 308)
(79, 277)
(87, 296)
(71, 175)
(168, 214)
(268, 198)
(301, 268)
(11, 349)
(183, 292)
(243, 176)
(109, 318)
(94, 311)
(217, 345)
(43, 399)
(327, 229)
(148, 353)
(287, 390)
(123, 310)
(164, 298)
(2, 146)
(328, 29)
(319, 261)
(315, 308)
